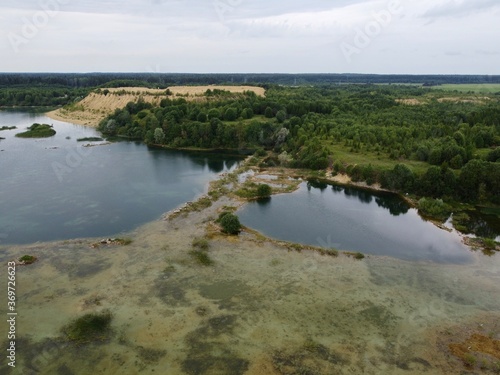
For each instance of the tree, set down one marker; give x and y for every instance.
(230, 223)
(280, 116)
(202, 117)
(213, 113)
(494, 156)
(471, 176)
(268, 112)
(230, 114)
(247, 113)
(399, 178)
(159, 135)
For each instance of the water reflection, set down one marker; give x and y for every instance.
(395, 206)
(483, 225)
(316, 184)
(363, 195)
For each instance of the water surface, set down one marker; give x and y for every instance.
(356, 220)
(55, 188)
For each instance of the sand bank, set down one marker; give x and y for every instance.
(99, 104)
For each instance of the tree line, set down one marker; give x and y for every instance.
(454, 142)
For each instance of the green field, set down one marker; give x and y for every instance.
(380, 161)
(485, 88)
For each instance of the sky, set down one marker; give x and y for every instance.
(251, 36)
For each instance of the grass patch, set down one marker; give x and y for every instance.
(489, 243)
(379, 160)
(8, 128)
(329, 252)
(123, 241)
(201, 257)
(38, 131)
(89, 139)
(27, 259)
(201, 243)
(200, 204)
(484, 88)
(89, 328)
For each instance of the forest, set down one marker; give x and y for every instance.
(410, 139)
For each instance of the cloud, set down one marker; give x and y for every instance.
(251, 36)
(456, 8)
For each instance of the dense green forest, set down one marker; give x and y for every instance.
(27, 96)
(91, 80)
(442, 145)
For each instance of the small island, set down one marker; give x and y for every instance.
(38, 131)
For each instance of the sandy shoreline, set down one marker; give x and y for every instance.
(60, 116)
(261, 308)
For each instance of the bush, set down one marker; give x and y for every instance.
(359, 256)
(264, 191)
(260, 152)
(230, 223)
(434, 208)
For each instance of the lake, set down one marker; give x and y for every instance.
(354, 219)
(55, 188)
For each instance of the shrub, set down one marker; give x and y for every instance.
(230, 223)
(264, 191)
(222, 214)
(260, 152)
(359, 256)
(434, 208)
(489, 243)
(27, 259)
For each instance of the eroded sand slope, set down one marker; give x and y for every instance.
(97, 105)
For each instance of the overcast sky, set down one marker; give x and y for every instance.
(261, 36)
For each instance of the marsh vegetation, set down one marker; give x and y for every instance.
(38, 131)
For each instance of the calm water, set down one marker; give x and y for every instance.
(54, 188)
(356, 220)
